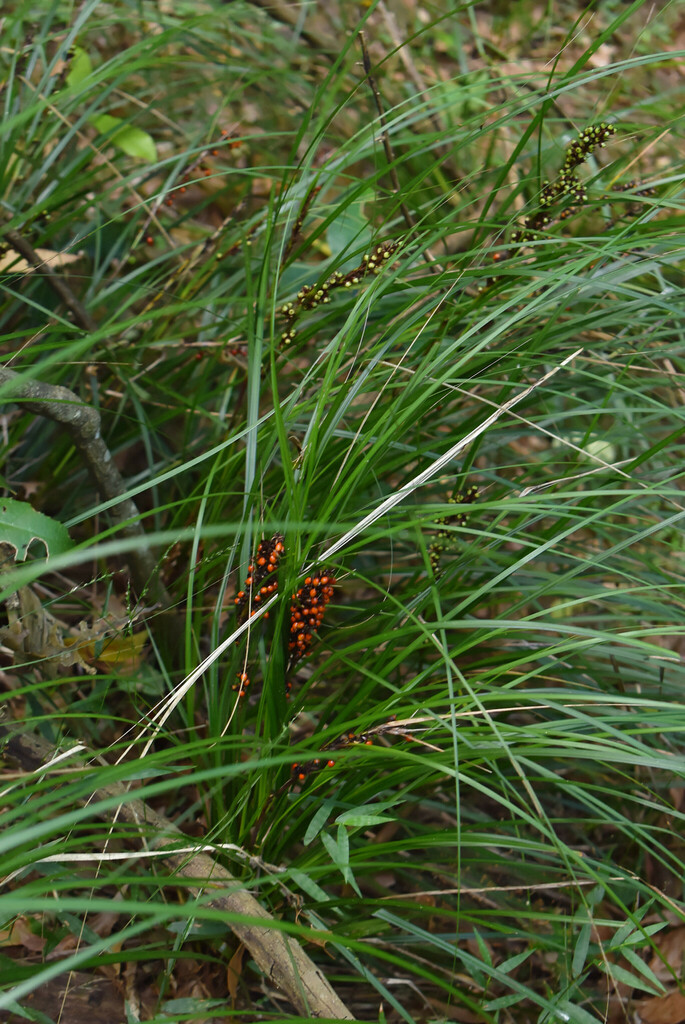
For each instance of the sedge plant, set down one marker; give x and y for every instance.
(384, 335)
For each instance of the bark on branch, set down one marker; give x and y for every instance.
(280, 957)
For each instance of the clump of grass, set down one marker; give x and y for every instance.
(497, 826)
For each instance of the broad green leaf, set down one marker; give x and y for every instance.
(571, 1013)
(639, 936)
(642, 968)
(632, 980)
(503, 1002)
(80, 68)
(513, 961)
(339, 852)
(21, 524)
(362, 820)
(317, 822)
(302, 879)
(484, 951)
(580, 952)
(186, 1005)
(632, 932)
(600, 449)
(131, 140)
(343, 846)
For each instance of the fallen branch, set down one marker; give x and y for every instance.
(280, 957)
(78, 311)
(82, 423)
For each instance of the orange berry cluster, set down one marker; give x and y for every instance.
(307, 612)
(310, 296)
(242, 684)
(258, 586)
(458, 519)
(350, 739)
(300, 771)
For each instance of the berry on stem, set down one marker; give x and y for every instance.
(264, 565)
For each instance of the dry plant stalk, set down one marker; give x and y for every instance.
(279, 956)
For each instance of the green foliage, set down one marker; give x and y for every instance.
(499, 690)
(21, 525)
